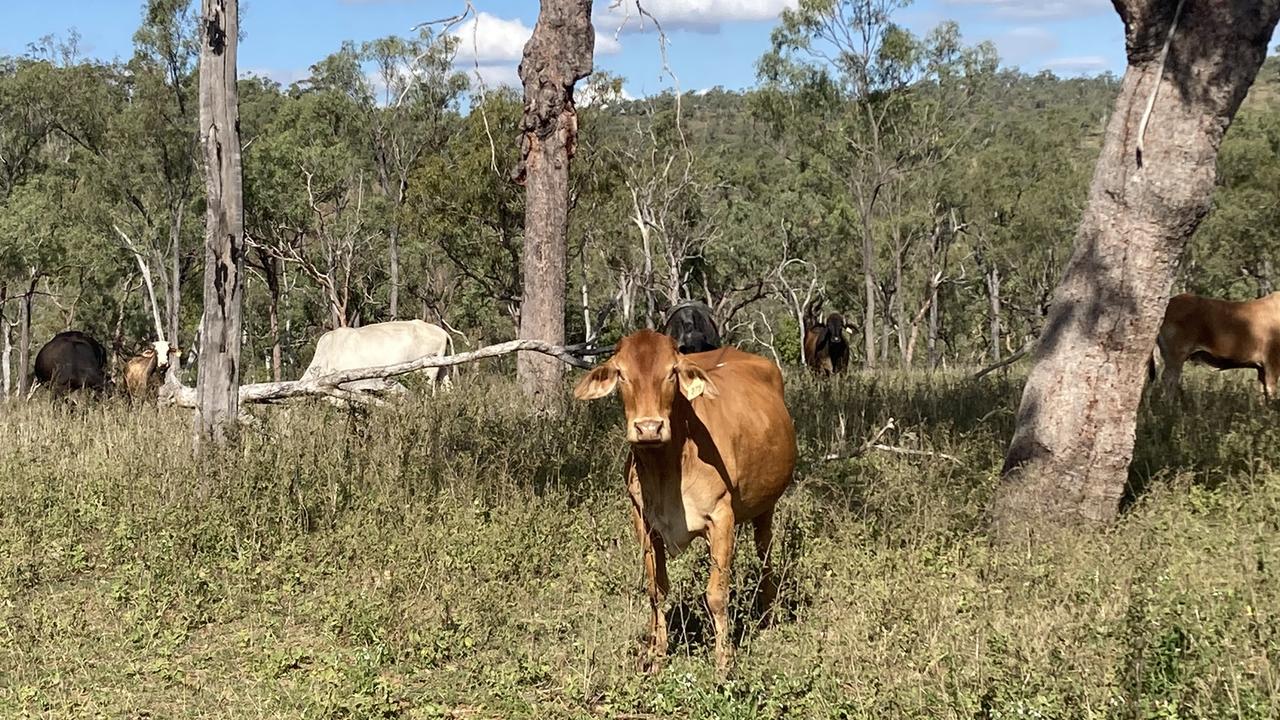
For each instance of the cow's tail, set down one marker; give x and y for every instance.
(1157, 352)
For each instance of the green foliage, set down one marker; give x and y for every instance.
(458, 557)
(908, 171)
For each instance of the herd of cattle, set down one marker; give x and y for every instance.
(712, 444)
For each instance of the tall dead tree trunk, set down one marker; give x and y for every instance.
(6, 358)
(26, 308)
(993, 311)
(217, 389)
(868, 293)
(935, 317)
(272, 270)
(175, 269)
(6, 345)
(393, 274)
(557, 56)
(1190, 66)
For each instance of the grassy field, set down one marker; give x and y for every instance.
(461, 558)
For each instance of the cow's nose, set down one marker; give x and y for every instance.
(649, 429)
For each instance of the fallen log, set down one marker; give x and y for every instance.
(184, 396)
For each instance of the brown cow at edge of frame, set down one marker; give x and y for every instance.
(1224, 334)
(719, 452)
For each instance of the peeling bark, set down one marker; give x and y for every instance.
(557, 55)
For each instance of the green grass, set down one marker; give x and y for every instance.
(459, 557)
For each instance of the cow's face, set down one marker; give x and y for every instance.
(162, 351)
(648, 371)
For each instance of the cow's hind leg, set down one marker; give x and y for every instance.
(655, 571)
(720, 539)
(1172, 374)
(1267, 375)
(768, 586)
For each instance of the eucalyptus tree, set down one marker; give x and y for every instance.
(557, 56)
(1189, 68)
(468, 219)
(311, 186)
(872, 105)
(414, 118)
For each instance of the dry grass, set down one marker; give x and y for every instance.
(461, 558)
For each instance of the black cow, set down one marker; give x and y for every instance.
(70, 361)
(692, 327)
(826, 350)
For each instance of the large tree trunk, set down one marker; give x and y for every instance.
(557, 56)
(217, 389)
(1069, 457)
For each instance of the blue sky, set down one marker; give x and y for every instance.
(713, 42)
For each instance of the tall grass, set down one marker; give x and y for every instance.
(458, 556)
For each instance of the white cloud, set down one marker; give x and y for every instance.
(284, 77)
(488, 39)
(490, 48)
(699, 15)
(585, 95)
(1036, 9)
(496, 75)
(1078, 65)
(1023, 43)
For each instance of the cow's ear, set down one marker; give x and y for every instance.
(599, 382)
(694, 381)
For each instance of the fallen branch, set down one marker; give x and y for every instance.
(909, 451)
(1003, 363)
(864, 447)
(874, 444)
(329, 385)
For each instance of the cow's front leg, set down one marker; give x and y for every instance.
(720, 539)
(655, 571)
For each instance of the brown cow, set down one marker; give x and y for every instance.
(144, 372)
(826, 351)
(1224, 334)
(717, 453)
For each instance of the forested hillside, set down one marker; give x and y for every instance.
(374, 193)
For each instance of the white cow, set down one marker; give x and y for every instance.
(387, 343)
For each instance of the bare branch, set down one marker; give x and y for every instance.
(145, 269)
(330, 385)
